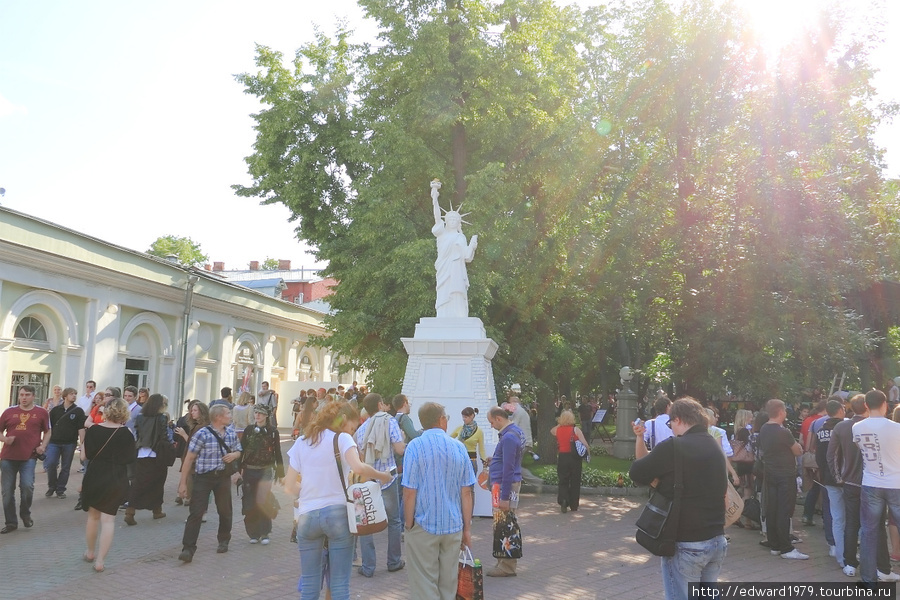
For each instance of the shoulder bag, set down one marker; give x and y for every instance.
(232, 467)
(579, 448)
(742, 452)
(165, 450)
(365, 506)
(658, 522)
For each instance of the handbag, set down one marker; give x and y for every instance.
(741, 452)
(365, 506)
(734, 504)
(470, 583)
(809, 461)
(658, 522)
(164, 449)
(232, 467)
(579, 448)
(507, 535)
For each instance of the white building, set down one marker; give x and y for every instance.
(74, 308)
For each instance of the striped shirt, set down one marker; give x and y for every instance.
(386, 462)
(437, 467)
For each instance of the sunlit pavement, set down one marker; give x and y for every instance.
(588, 554)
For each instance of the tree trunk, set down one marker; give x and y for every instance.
(459, 154)
(546, 420)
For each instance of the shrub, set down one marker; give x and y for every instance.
(590, 478)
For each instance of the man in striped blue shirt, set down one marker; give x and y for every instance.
(437, 506)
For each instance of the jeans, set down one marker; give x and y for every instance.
(220, 485)
(836, 504)
(62, 455)
(693, 561)
(873, 503)
(9, 469)
(391, 497)
(313, 530)
(781, 495)
(826, 517)
(809, 505)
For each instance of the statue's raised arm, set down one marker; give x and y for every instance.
(435, 186)
(452, 255)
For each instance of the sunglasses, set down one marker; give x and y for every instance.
(669, 424)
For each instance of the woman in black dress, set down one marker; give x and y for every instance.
(110, 447)
(151, 429)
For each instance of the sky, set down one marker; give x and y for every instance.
(123, 120)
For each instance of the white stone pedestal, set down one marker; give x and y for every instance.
(450, 363)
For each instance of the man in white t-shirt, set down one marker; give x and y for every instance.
(86, 402)
(877, 438)
(657, 430)
(268, 398)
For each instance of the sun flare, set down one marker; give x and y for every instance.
(778, 22)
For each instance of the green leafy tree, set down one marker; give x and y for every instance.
(187, 250)
(646, 187)
(270, 264)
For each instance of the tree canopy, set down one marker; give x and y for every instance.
(187, 250)
(648, 187)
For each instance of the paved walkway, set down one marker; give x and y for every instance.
(590, 554)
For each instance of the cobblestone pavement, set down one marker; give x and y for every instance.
(590, 554)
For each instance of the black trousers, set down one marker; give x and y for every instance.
(568, 468)
(220, 485)
(781, 496)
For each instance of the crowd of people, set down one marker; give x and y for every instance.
(847, 458)
(127, 443)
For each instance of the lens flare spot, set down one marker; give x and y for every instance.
(603, 127)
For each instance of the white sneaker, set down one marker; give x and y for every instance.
(795, 555)
(885, 577)
(850, 571)
(264, 541)
(254, 541)
(832, 551)
(774, 552)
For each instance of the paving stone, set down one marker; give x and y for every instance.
(586, 555)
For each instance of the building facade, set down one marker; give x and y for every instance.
(74, 308)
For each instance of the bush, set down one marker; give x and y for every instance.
(591, 478)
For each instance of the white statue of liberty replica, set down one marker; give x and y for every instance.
(452, 255)
(450, 354)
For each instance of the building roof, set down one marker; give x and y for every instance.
(33, 241)
(289, 276)
(262, 283)
(320, 306)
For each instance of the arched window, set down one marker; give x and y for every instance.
(31, 329)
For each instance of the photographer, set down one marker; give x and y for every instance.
(700, 534)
